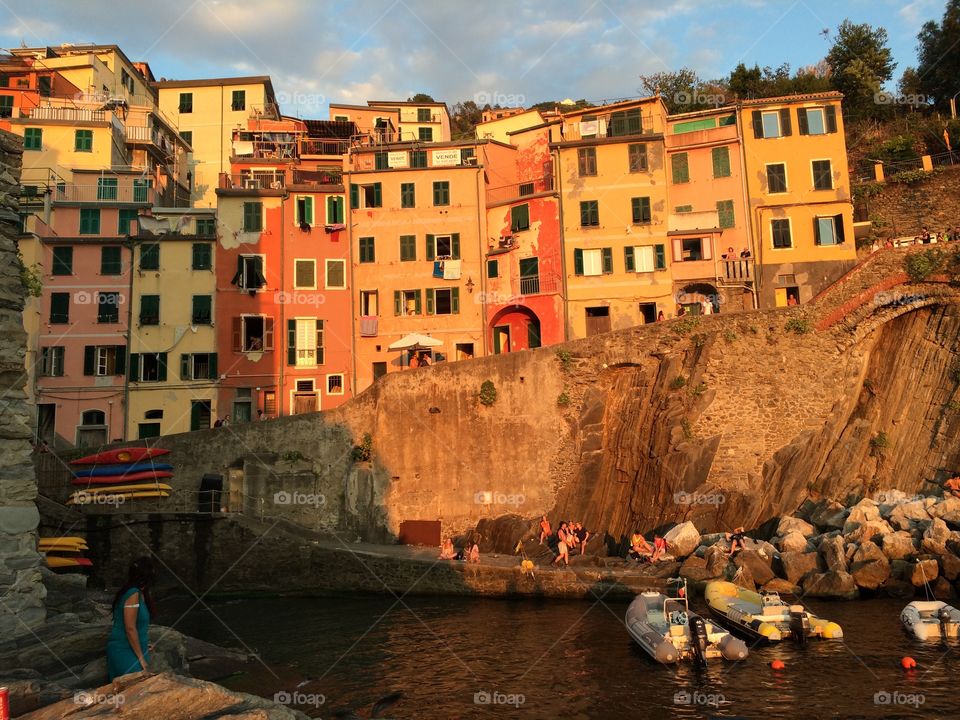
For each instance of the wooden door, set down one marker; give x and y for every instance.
(304, 403)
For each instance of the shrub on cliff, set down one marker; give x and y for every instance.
(921, 265)
(488, 393)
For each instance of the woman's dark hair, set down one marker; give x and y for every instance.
(140, 576)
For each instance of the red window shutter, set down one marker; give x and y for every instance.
(237, 334)
(268, 333)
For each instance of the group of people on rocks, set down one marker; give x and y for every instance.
(569, 537)
(470, 553)
(925, 237)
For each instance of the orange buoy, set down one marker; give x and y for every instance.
(777, 665)
(908, 663)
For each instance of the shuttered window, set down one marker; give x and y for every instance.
(780, 231)
(725, 213)
(589, 213)
(202, 310)
(150, 256)
(587, 161)
(59, 308)
(520, 218)
(63, 260)
(408, 195)
(637, 155)
(721, 162)
(252, 217)
(640, 210)
(680, 168)
(368, 252)
(110, 263)
(305, 274)
(822, 175)
(89, 221)
(408, 248)
(149, 309)
(441, 193)
(202, 256)
(777, 178)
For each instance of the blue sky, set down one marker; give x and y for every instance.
(515, 51)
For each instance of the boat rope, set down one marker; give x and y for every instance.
(927, 590)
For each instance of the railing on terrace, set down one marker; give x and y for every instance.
(608, 125)
(539, 284)
(276, 149)
(72, 114)
(73, 193)
(268, 111)
(314, 146)
(254, 180)
(414, 117)
(519, 190)
(385, 137)
(735, 271)
(317, 177)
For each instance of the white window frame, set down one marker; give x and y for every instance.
(793, 244)
(366, 294)
(763, 116)
(786, 177)
(639, 253)
(823, 119)
(326, 208)
(594, 253)
(813, 175)
(297, 221)
(833, 227)
(333, 375)
(55, 362)
(403, 303)
(263, 266)
(308, 354)
(436, 244)
(440, 290)
(313, 283)
(326, 274)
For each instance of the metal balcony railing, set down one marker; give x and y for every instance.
(254, 180)
(736, 271)
(313, 146)
(519, 190)
(106, 194)
(72, 114)
(317, 177)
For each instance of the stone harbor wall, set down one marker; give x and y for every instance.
(21, 587)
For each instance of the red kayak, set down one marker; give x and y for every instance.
(115, 479)
(123, 455)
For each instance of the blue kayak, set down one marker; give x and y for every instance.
(121, 469)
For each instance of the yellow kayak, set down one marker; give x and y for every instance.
(86, 498)
(765, 617)
(68, 544)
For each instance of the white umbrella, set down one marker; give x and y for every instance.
(414, 341)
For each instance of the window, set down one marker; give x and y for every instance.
(637, 154)
(691, 249)
(443, 301)
(303, 213)
(249, 275)
(520, 218)
(817, 121)
(336, 274)
(186, 103)
(407, 302)
(51, 361)
(110, 260)
(89, 221)
(335, 384)
(202, 256)
(243, 405)
(149, 309)
(771, 123)
(441, 193)
(625, 122)
(725, 214)
(408, 195)
(150, 256)
(106, 188)
(593, 262)
(423, 114)
(6, 106)
(83, 140)
(645, 259)
(63, 260)
(202, 311)
(153, 415)
(148, 367)
(59, 308)
(780, 230)
(368, 252)
(721, 162)
(369, 303)
(587, 161)
(334, 209)
(468, 156)
(529, 276)
(305, 341)
(426, 134)
(418, 158)
(526, 189)
(366, 196)
(206, 227)
(640, 207)
(777, 178)
(141, 190)
(33, 139)
(680, 167)
(305, 274)
(238, 101)
(380, 160)
(108, 307)
(589, 213)
(104, 360)
(828, 230)
(680, 209)
(408, 248)
(252, 217)
(493, 268)
(822, 175)
(125, 216)
(187, 136)
(198, 366)
(252, 333)
(443, 246)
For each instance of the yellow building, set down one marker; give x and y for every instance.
(801, 216)
(173, 368)
(207, 112)
(500, 128)
(418, 122)
(611, 177)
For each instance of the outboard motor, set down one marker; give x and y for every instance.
(799, 626)
(947, 625)
(698, 640)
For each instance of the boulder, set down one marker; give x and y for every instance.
(950, 566)
(864, 511)
(766, 550)
(867, 530)
(784, 587)
(830, 585)
(829, 515)
(717, 561)
(794, 524)
(901, 515)
(898, 545)
(943, 589)
(899, 589)
(760, 570)
(924, 571)
(793, 542)
(797, 566)
(682, 539)
(935, 538)
(834, 554)
(710, 539)
(694, 569)
(948, 509)
(869, 567)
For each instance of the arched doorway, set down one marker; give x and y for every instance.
(514, 328)
(692, 298)
(92, 430)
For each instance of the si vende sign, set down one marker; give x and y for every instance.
(397, 159)
(443, 158)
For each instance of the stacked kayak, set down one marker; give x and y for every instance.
(765, 617)
(114, 476)
(669, 632)
(930, 620)
(64, 552)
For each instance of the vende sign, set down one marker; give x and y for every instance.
(398, 159)
(446, 157)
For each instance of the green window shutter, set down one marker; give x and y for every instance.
(430, 254)
(607, 260)
(628, 259)
(721, 162)
(120, 368)
(417, 302)
(124, 217)
(331, 209)
(429, 301)
(493, 269)
(455, 300)
(725, 214)
(110, 260)
(63, 260)
(408, 247)
(89, 221)
(134, 369)
(520, 218)
(785, 129)
(89, 355)
(202, 309)
(377, 195)
(59, 307)
(660, 257)
(201, 256)
(757, 124)
(33, 139)
(252, 217)
(150, 256)
(397, 302)
(291, 342)
(186, 364)
(680, 168)
(578, 261)
(354, 196)
(455, 245)
(162, 367)
(816, 231)
(830, 113)
(838, 224)
(803, 126)
(212, 364)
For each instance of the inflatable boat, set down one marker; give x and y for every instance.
(764, 617)
(669, 632)
(930, 620)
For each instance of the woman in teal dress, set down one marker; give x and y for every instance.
(127, 649)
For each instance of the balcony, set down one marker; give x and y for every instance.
(412, 116)
(611, 125)
(705, 220)
(71, 114)
(735, 272)
(315, 147)
(277, 148)
(105, 195)
(539, 284)
(253, 180)
(317, 177)
(518, 191)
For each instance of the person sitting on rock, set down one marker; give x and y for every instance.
(473, 553)
(952, 486)
(735, 539)
(659, 548)
(545, 530)
(447, 551)
(582, 536)
(639, 547)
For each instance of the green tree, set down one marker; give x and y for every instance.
(938, 71)
(421, 98)
(464, 119)
(860, 62)
(684, 90)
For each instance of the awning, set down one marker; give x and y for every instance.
(415, 341)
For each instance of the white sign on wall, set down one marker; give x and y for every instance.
(398, 159)
(447, 157)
